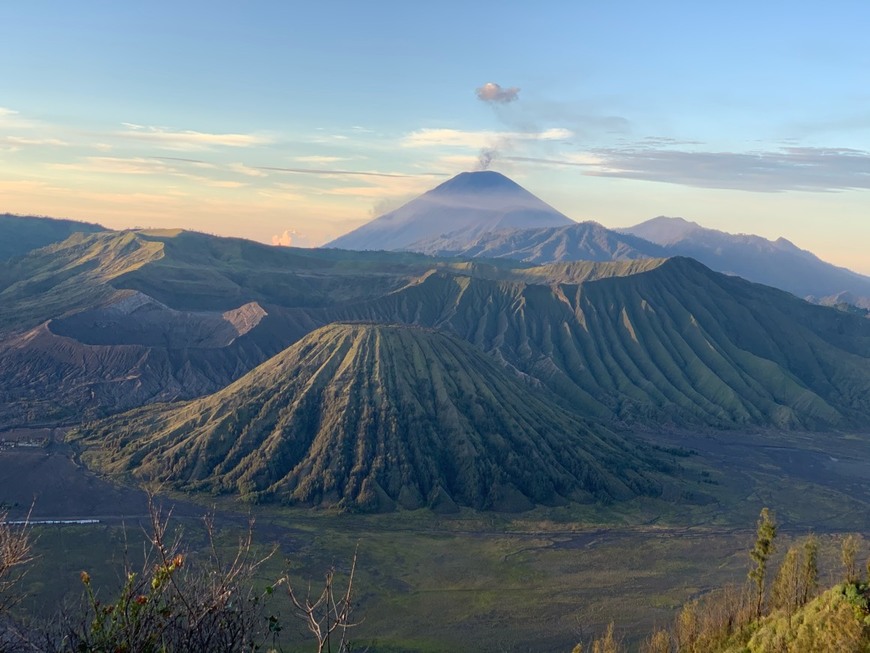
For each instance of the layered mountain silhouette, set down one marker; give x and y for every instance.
(474, 202)
(486, 215)
(367, 417)
(655, 341)
(583, 241)
(111, 321)
(370, 379)
(777, 263)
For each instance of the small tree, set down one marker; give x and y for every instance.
(327, 617)
(798, 576)
(15, 553)
(849, 555)
(172, 602)
(606, 643)
(765, 535)
(810, 570)
(658, 642)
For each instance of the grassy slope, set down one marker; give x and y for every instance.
(20, 235)
(367, 416)
(67, 276)
(667, 342)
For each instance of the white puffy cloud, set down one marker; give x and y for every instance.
(285, 239)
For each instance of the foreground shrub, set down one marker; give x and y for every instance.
(170, 603)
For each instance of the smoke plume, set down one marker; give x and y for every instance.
(492, 92)
(486, 157)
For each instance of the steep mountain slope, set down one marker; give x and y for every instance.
(584, 241)
(668, 342)
(369, 416)
(109, 321)
(67, 276)
(475, 202)
(776, 263)
(106, 322)
(192, 272)
(21, 234)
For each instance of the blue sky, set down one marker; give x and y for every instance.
(302, 120)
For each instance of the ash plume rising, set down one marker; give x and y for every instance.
(494, 95)
(486, 157)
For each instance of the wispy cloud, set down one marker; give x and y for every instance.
(116, 165)
(246, 170)
(582, 160)
(320, 159)
(23, 140)
(380, 188)
(189, 139)
(353, 173)
(198, 163)
(492, 92)
(479, 139)
(792, 168)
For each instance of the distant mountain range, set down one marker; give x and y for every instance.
(777, 263)
(128, 318)
(370, 380)
(442, 222)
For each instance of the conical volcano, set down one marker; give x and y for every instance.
(472, 202)
(369, 417)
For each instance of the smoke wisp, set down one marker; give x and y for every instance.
(492, 92)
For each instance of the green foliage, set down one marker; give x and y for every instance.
(835, 621)
(798, 577)
(606, 643)
(729, 621)
(848, 556)
(658, 642)
(760, 553)
(171, 605)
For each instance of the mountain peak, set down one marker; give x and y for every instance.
(664, 230)
(371, 416)
(476, 202)
(478, 181)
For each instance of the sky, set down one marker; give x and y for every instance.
(294, 122)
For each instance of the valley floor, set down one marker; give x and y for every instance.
(535, 581)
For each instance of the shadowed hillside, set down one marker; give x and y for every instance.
(663, 342)
(106, 322)
(585, 241)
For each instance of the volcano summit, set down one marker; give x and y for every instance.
(473, 203)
